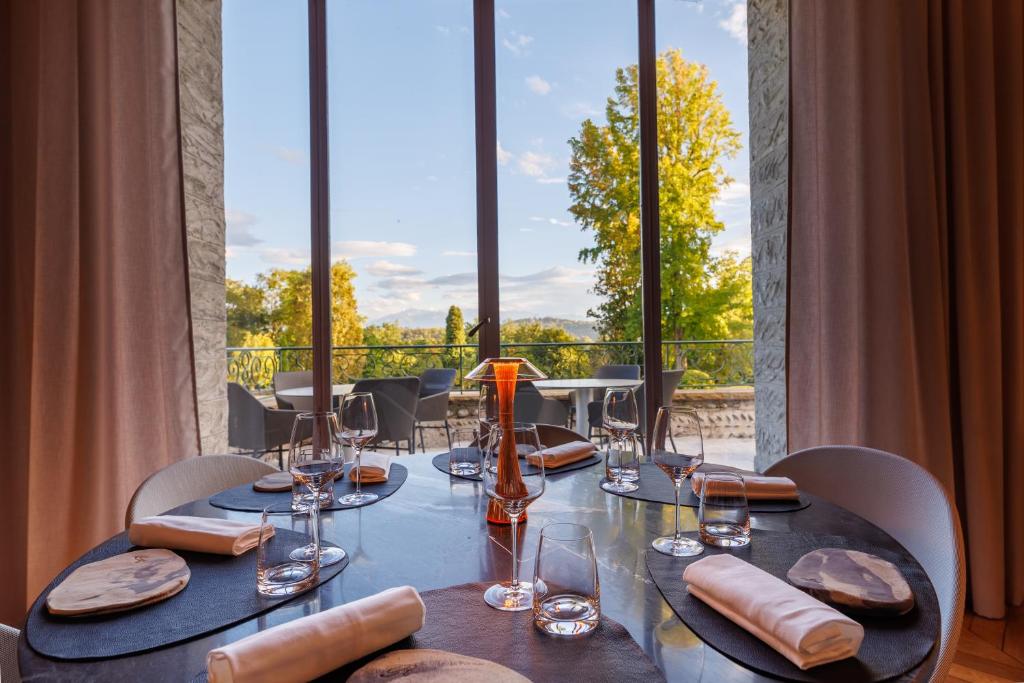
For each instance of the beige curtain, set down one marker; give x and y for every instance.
(98, 386)
(906, 310)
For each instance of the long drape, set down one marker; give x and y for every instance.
(98, 386)
(906, 309)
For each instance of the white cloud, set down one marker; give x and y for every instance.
(550, 221)
(535, 164)
(736, 190)
(363, 248)
(580, 110)
(389, 269)
(525, 229)
(448, 252)
(550, 181)
(516, 43)
(503, 14)
(504, 156)
(283, 256)
(538, 85)
(239, 229)
(290, 155)
(736, 23)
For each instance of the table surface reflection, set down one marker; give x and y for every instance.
(431, 533)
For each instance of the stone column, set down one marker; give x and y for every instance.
(202, 140)
(768, 67)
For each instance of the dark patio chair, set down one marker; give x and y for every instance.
(532, 406)
(603, 372)
(395, 399)
(254, 427)
(435, 387)
(291, 380)
(669, 382)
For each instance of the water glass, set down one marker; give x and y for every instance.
(465, 455)
(724, 516)
(315, 459)
(566, 589)
(282, 567)
(622, 466)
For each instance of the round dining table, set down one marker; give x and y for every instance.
(584, 391)
(432, 534)
(307, 392)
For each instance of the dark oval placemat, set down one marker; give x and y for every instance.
(892, 645)
(247, 499)
(656, 487)
(221, 592)
(441, 463)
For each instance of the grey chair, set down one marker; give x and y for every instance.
(435, 387)
(553, 435)
(669, 382)
(9, 672)
(909, 504)
(292, 380)
(532, 406)
(190, 479)
(395, 399)
(603, 372)
(256, 428)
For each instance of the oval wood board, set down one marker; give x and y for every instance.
(853, 581)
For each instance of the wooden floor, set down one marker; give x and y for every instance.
(990, 651)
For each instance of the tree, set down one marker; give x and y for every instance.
(289, 299)
(246, 311)
(454, 334)
(557, 361)
(702, 295)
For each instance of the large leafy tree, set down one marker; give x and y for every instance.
(703, 296)
(246, 310)
(289, 300)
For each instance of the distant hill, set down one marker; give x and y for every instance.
(427, 318)
(581, 329)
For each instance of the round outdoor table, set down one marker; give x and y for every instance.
(307, 392)
(431, 534)
(585, 391)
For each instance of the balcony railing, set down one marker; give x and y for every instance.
(707, 363)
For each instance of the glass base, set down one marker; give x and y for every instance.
(725, 535)
(501, 596)
(567, 615)
(464, 469)
(619, 487)
(287, 578)
(684, 547)
(358, 498)
(329, 554)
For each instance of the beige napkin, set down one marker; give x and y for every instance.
(375, 467)
(805, 631)
(306, 648)
(757, 487)
(201, 534)
(567, 453)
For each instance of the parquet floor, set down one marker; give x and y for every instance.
(990, 651)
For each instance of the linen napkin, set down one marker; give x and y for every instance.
(309, 647)
(201, 534)
(567, 453)
(375, 467)
(805, 631)
(757, 487)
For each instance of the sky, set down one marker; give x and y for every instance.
(402, 157)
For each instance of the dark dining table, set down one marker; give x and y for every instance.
(431, 534)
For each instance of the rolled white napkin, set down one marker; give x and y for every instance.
(201, 534)
(567, 453)
(805, 631)
(757, 487)
(376, 467)
(312, 646)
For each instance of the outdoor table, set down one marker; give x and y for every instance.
(585, 391)
(307, 392)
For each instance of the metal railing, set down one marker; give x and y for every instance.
(707, 363)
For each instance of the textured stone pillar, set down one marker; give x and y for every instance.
(202, 133)
(768, 66)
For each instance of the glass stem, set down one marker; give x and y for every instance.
(678, 534)
(314, 514)
(621, 445)
(515, 552)
(359, 470)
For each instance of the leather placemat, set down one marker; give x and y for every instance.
(892, 646)
(656, 487)
(221, 592)
(246, 499)
(441, 463)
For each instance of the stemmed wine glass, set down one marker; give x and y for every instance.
(677, 450)
(315, 458)
(358, 428)
(514, 495)
(620, 417)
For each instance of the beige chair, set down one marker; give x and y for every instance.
(190, 480)
(9, 654)
(905, 501)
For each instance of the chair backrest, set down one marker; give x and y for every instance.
(669, 382)
(530, 405)
(908, 503)
(553, 435)
(292, 380)
(617, 372)
(395, 399)
(191, 479)
(245, 419)
(437, 381)
(9, 672)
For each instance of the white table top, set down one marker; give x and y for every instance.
(588, 383)
(307, 392)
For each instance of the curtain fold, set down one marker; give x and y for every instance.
(906, 310)
(100, 387)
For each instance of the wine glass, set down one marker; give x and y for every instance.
(678, 450)
(315, 458)
(358, 428)
(513, 493)
(619, 417)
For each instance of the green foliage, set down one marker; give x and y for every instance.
(246, 311)
(703, 296)
(455, 333)
(563, 361)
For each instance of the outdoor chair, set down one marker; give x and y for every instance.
(9, 654)
(604, 372)
(435, 387)
(395, 399)
(669, 382)
(532, 406)
(292, 380)
(256, 428)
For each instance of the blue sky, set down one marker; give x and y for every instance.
(402, 141)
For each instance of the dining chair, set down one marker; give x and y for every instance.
(435, 388)
(395, 399)
(907, 502)
(530, 405)
(293, 380)
(254, 427)
(191, 479)
(553, 435)
(669, 383)
(9, 654)
(603, 372)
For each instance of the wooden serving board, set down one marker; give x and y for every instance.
(852, 581)
(119, 583)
